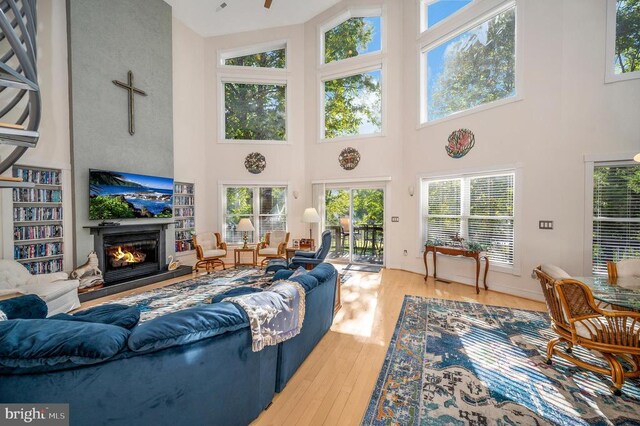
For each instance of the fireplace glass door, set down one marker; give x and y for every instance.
(129, 256)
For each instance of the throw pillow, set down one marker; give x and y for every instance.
(28, 306)
(114, 314)
(238, 291)
(298, 272)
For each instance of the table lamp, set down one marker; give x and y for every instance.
(245, 226)
(310, 215)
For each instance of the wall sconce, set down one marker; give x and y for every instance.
(411, 191)
(296, 194)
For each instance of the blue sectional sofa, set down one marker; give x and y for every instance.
(191, 367)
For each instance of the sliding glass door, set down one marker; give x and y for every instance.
(355, 215)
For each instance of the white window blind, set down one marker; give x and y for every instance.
(616, 214)
(478, 207)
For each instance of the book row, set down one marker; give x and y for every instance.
(35, 232)
(182, 200)
(29, 251)
(183, 235)
(184, 211)
(24, 214)
(185, 224)
(184, 245)
(179, 188)
(37, 195)
(45, 177)
(44, 266)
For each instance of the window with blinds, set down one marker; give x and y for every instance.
(478, 207)
(616, 214)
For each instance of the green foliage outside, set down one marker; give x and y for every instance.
(344, 110)
(477, 70)
(270, 59)
(627, 36)
(368, 206)
(106, 207)
(255, 111)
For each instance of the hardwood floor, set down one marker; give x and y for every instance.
(333, 385)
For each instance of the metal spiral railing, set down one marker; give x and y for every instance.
(20, 102)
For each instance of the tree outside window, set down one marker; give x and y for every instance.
(255, 111)
(627, 51)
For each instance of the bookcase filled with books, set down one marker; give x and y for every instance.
(38, 220)
(184, 215)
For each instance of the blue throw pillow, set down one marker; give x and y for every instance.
(238, 291)
(283, 274)
(114, 314)
(323, 272)
(187, 326)
(33, 343)
(307, 281)
(29, 306)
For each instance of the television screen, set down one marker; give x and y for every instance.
(115, 195)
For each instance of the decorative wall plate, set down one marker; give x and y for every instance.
(460, 143)
(255, 163)
(349, 158)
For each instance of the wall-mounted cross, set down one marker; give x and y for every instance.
(132, 91)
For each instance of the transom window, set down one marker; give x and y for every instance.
(616, 214)
(353, 37)
(435, 11)
(265, 206)
(474, 67)
(623, 39)
(480, 208)
(269, 59)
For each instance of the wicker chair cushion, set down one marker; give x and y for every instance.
(214, 253)
(268, 251)
(276, 237)
(628, 268)
(207, 241)
(600, 330)
(555, 272)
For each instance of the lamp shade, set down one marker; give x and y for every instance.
(245, 225)
(310, 215)
(636, 158)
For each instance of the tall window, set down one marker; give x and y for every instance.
(478, 207)
(623, 44)
(351, 85)
(265, 206)
(253, 105)
(616, 214)
(475, 66)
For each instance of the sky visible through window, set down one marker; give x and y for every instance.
(442, 9)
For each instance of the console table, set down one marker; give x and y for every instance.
(456, 251)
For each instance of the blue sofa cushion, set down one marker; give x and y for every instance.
(187, 326)
(238, 291)
(323, 272)
(307, 281)
(115, 314)
(282, 274)
(32, 343)
(29, 306)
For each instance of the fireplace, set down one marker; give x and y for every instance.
(128, 252)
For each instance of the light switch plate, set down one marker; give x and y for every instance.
(395, 219)
(545, 224)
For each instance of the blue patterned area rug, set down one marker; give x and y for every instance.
(193, 292)
(457, 363)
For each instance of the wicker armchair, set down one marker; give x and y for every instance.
(210, 249)
(623, 268)
(274, 246)
(577, 320)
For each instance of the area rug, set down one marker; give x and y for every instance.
(457, 363)
(363, 268)
(193, 292)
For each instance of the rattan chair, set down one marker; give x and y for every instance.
(210, 249)
(578, 321)
(274, 246)
(623, 268)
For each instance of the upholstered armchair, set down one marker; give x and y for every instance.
(309, 259)
(274, 246)
(623, 268)
(210, 249)
(56, 289)
(577, 320)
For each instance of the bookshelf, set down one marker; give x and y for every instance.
(184, 215)
(38, 220)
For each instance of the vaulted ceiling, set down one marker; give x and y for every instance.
(208, 18)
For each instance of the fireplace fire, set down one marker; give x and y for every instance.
(124, 257)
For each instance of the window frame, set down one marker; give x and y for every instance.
(467, 174)
(366, 67)
(610, 75)
(460, 22)
(224, 54)
(255, 216)
(591, 161)
(354, 12)
(422, 23)
(224, 78)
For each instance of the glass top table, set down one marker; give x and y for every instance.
(624, 291)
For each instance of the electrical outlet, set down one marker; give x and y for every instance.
(406, 253)
(395, 219)
(545, 224)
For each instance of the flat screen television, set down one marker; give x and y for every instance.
(117, 195)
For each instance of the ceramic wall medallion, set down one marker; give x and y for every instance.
(349, 158)
(460, 143)
(255, 163)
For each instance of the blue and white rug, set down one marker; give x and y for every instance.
(193, 292)
(457, 363)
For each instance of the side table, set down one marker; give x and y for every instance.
(237, 252)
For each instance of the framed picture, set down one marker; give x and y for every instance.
(296, 243)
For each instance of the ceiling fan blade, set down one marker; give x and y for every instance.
(267, 3)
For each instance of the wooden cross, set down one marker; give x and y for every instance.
(132, 91)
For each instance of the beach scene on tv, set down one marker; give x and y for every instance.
(115, 195)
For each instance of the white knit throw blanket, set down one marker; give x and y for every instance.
(275, 315)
